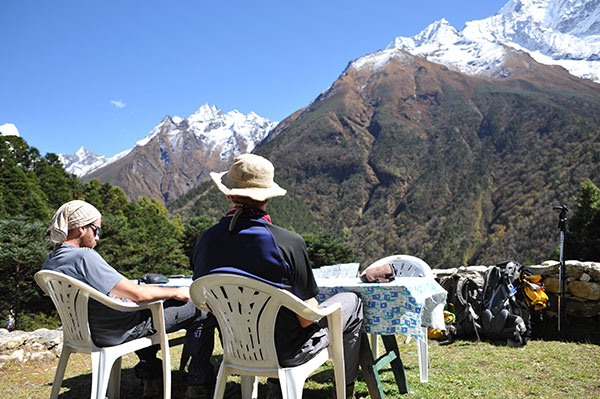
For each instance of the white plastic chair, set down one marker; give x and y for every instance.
(409, 266)
(70, 297)
(246, 310)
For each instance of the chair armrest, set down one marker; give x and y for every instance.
(104, 299)
(123, 305)
(156, 308)
(306, 312)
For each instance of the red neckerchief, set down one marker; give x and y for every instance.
(246, 212)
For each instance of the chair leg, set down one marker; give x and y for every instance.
(285, 389)
(114, 382)
(292, 385)
(249, 387)
(60, 371)
(423, 352)
(221, 382)
(96, 360)
(102, 367)
(340, 379)
(166, 363)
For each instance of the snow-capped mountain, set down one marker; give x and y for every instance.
(180, 153)
(556, 32)
(229, 133)
(8, 129)
(85, 161)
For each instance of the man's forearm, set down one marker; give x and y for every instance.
(144, 293)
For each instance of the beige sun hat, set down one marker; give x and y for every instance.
(69, 216)
(249, 176)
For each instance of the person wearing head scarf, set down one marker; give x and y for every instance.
(75, 230)
(246, 242)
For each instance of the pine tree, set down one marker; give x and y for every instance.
(583, 237)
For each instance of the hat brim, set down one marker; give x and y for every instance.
(256, 193)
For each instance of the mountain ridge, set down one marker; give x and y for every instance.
(178, 153)
(558, 32)
(418, 158)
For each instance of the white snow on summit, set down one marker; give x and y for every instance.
(8, 129)
(225, 131)
(82, 162)
(217, 131)
(85, 161)
(559, 32)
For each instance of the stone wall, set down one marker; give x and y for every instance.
(582, 281)
(20, 346)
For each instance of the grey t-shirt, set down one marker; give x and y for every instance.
(108, 326)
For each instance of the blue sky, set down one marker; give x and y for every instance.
(102, 74)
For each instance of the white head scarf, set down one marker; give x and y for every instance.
(69, 216)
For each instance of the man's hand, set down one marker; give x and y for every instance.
(313, 303)
(181, 294)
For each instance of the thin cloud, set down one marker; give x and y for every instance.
(118, 103)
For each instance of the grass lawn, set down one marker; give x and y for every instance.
(462, 369)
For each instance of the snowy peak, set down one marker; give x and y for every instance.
(206, 113)
(229, 133)
(559, 32)
(575, 17)
(82, 162)
(8, 129)
(438, 34)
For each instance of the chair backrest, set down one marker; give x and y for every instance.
(246, 310)
(407, 265)
(70, 297)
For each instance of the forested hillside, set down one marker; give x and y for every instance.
(416, 158)
(137, 236)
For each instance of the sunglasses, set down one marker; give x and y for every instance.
(96, 229)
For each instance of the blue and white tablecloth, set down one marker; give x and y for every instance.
(403, 306)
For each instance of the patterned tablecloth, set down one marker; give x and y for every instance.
(403, 306)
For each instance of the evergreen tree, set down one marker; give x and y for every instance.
(583, 237)
(193, 229)
(145, 240)
(22, 253)
(325, 249)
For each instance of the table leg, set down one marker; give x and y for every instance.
(371, 368)
(369, 373)
(391, 346)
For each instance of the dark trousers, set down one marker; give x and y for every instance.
(352, 317)
(199, 343)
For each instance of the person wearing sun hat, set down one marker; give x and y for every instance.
(75, 230)
(245, 241)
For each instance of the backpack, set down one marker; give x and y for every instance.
(498, 306)
(505, 312)
(464, 300)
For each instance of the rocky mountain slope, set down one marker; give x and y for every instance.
(417, 158)
(178, 153)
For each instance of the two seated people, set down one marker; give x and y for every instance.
(243, 241)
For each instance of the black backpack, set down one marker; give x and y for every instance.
(464, 300)
(505, 313)
(493, 307)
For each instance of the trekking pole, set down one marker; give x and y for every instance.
(562, 225)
